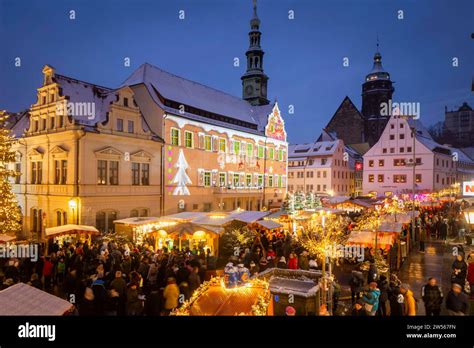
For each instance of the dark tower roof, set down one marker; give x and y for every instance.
(377, 72)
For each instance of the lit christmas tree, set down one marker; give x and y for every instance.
(181, 179)
(299, 200)
(10, 212)
(309, 201)
(289, 203)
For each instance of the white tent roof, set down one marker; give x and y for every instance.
(269, 224)
(5, 238)
(23, 299)
(70, 229)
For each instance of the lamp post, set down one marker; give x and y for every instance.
(73, 206)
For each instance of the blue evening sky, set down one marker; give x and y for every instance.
(303, 56)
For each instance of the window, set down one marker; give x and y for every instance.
(371, 177)
(280, 182)
(248, 180)
(36, 172)
(101, 172)
(207, 143)
(392, 136)
(130, 127)
(104, 220)
(175, 136)
(402, 125)
(323, 161)
(222, 179)
(125, 101)
(381, 162)
(222, 145)
(409, 149)
(135, 173)
(392, 150)
(43, 124)
(399, 162)
(57, 172)
(384, 150)
(280, 155)
(380, 178)
(18, 171)
(236, 180)
(402, 150)
(318, 174)
(249, 150)
(324, 174)
(418, 178)
(319, 188)
(437, 178)
(399, 179)
(188, 139)
(113, 172)
(119, 125)
(207, 179)
(61, 218)
(392, 126)
(324, 187)
(371, 163)
(260, 180)
(271, 153)
(402, 136)
(145, 174)
(270, 181)
(61, 121)
(51, 125)
(236, 147)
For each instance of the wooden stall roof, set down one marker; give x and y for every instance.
(70, 229)
(367, 238)
(23, 299)
(5, 238)
(268, 224)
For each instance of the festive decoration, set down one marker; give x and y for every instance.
(299, 200)
(10, 212)
(275, 126)
(235, 239)
(181, 179)
(259, 308)
(289, 203)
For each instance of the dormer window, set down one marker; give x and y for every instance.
(119, 125)
(125, 101)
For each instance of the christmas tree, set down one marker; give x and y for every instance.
(317, 202)
(299, 200)
(181, 179)
(309, 202)
(10, 212)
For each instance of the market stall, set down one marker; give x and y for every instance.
(71, 233)
(24, 300)
(195, 236)
(5, 238)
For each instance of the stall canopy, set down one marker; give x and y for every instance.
(249, 216)
(70, 229)
(190, 228)
(367, 239)
(25, 300)
(269, 224)
(5, 238)
(390, 226)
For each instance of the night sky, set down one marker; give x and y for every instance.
(303, 56)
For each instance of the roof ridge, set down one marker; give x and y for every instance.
(198, 83)
(82, 81)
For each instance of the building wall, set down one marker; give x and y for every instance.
(309, 174)
(385, 169)
(205, 167)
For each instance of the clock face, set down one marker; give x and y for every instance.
(248, 90)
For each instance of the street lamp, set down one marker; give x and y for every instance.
(73, 206)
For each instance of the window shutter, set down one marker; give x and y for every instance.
(214, 177)
(230, 178)
(201, 140)
(231, 146)
(200, 177)
(215, 143)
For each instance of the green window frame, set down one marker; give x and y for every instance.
(249, 150)
(189, 139)
(207, 143)
(175, 136)
(207, 179)
(248, 180)
(237, 147)
(222, 145)
(271, 153)
(261, 151)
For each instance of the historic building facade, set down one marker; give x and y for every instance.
(459, 126)
(323, 167)
(83, 151)
(388, 165)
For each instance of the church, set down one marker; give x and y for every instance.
(362, 129)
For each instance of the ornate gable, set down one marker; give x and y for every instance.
(109, 153)
(141, 156)
(59, 152)
(36, 154)
(275, 127)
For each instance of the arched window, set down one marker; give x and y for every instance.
(139, 212)
(36, 219)
(256, 62)
(61, 217)
(134, 213)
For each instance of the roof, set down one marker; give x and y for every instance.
(318, 148)
(70, 229)
(25, 300)
(269, 224)
(18, 122)
(5, 238)
(199, 96)
(80, 92)
(346, 100)
(367, 238)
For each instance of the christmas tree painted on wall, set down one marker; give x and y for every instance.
(181, 179)
(10, 212)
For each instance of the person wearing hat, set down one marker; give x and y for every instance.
(290, 311)
(457, 302)
(358, 310)
(282, 263)
(409, 300)
(371, 299)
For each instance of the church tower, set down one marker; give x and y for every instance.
(376, 90)
(254, 81)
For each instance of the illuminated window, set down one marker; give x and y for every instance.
(418, 178)
(175, 136)
(381, 162)
(207, 143)
(261, 151)
(189, 139)
(371, 177)
(380, 178)
(207, 179)
(222, 145)
(249, 150)
(371, 163)
(236, 147)
(271, 153)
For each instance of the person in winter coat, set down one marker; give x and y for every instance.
(470, 272)
(397, 301)
(293, 261)
(432, 296)
(47, 272)
(271, 256)
(282, 263)
(459, 270)
(457, 302)
(86, 306)
(443, 229)
(356, 283)
(313, 265)
(194, 281)
(134, 304)
(409, 300)
(35, 281)
(171, 296)
(303, 261)
(382, 284)
(371, 299)
(372, 275)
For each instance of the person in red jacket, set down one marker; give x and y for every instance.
(47, 272)
(293, 261)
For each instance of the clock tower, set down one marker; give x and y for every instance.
(254, 81)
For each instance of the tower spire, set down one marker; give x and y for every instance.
(254, 81)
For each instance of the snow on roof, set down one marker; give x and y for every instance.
(4, 238)
(85, 92)
(199, 96)
(314, 149)
(25, 300)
